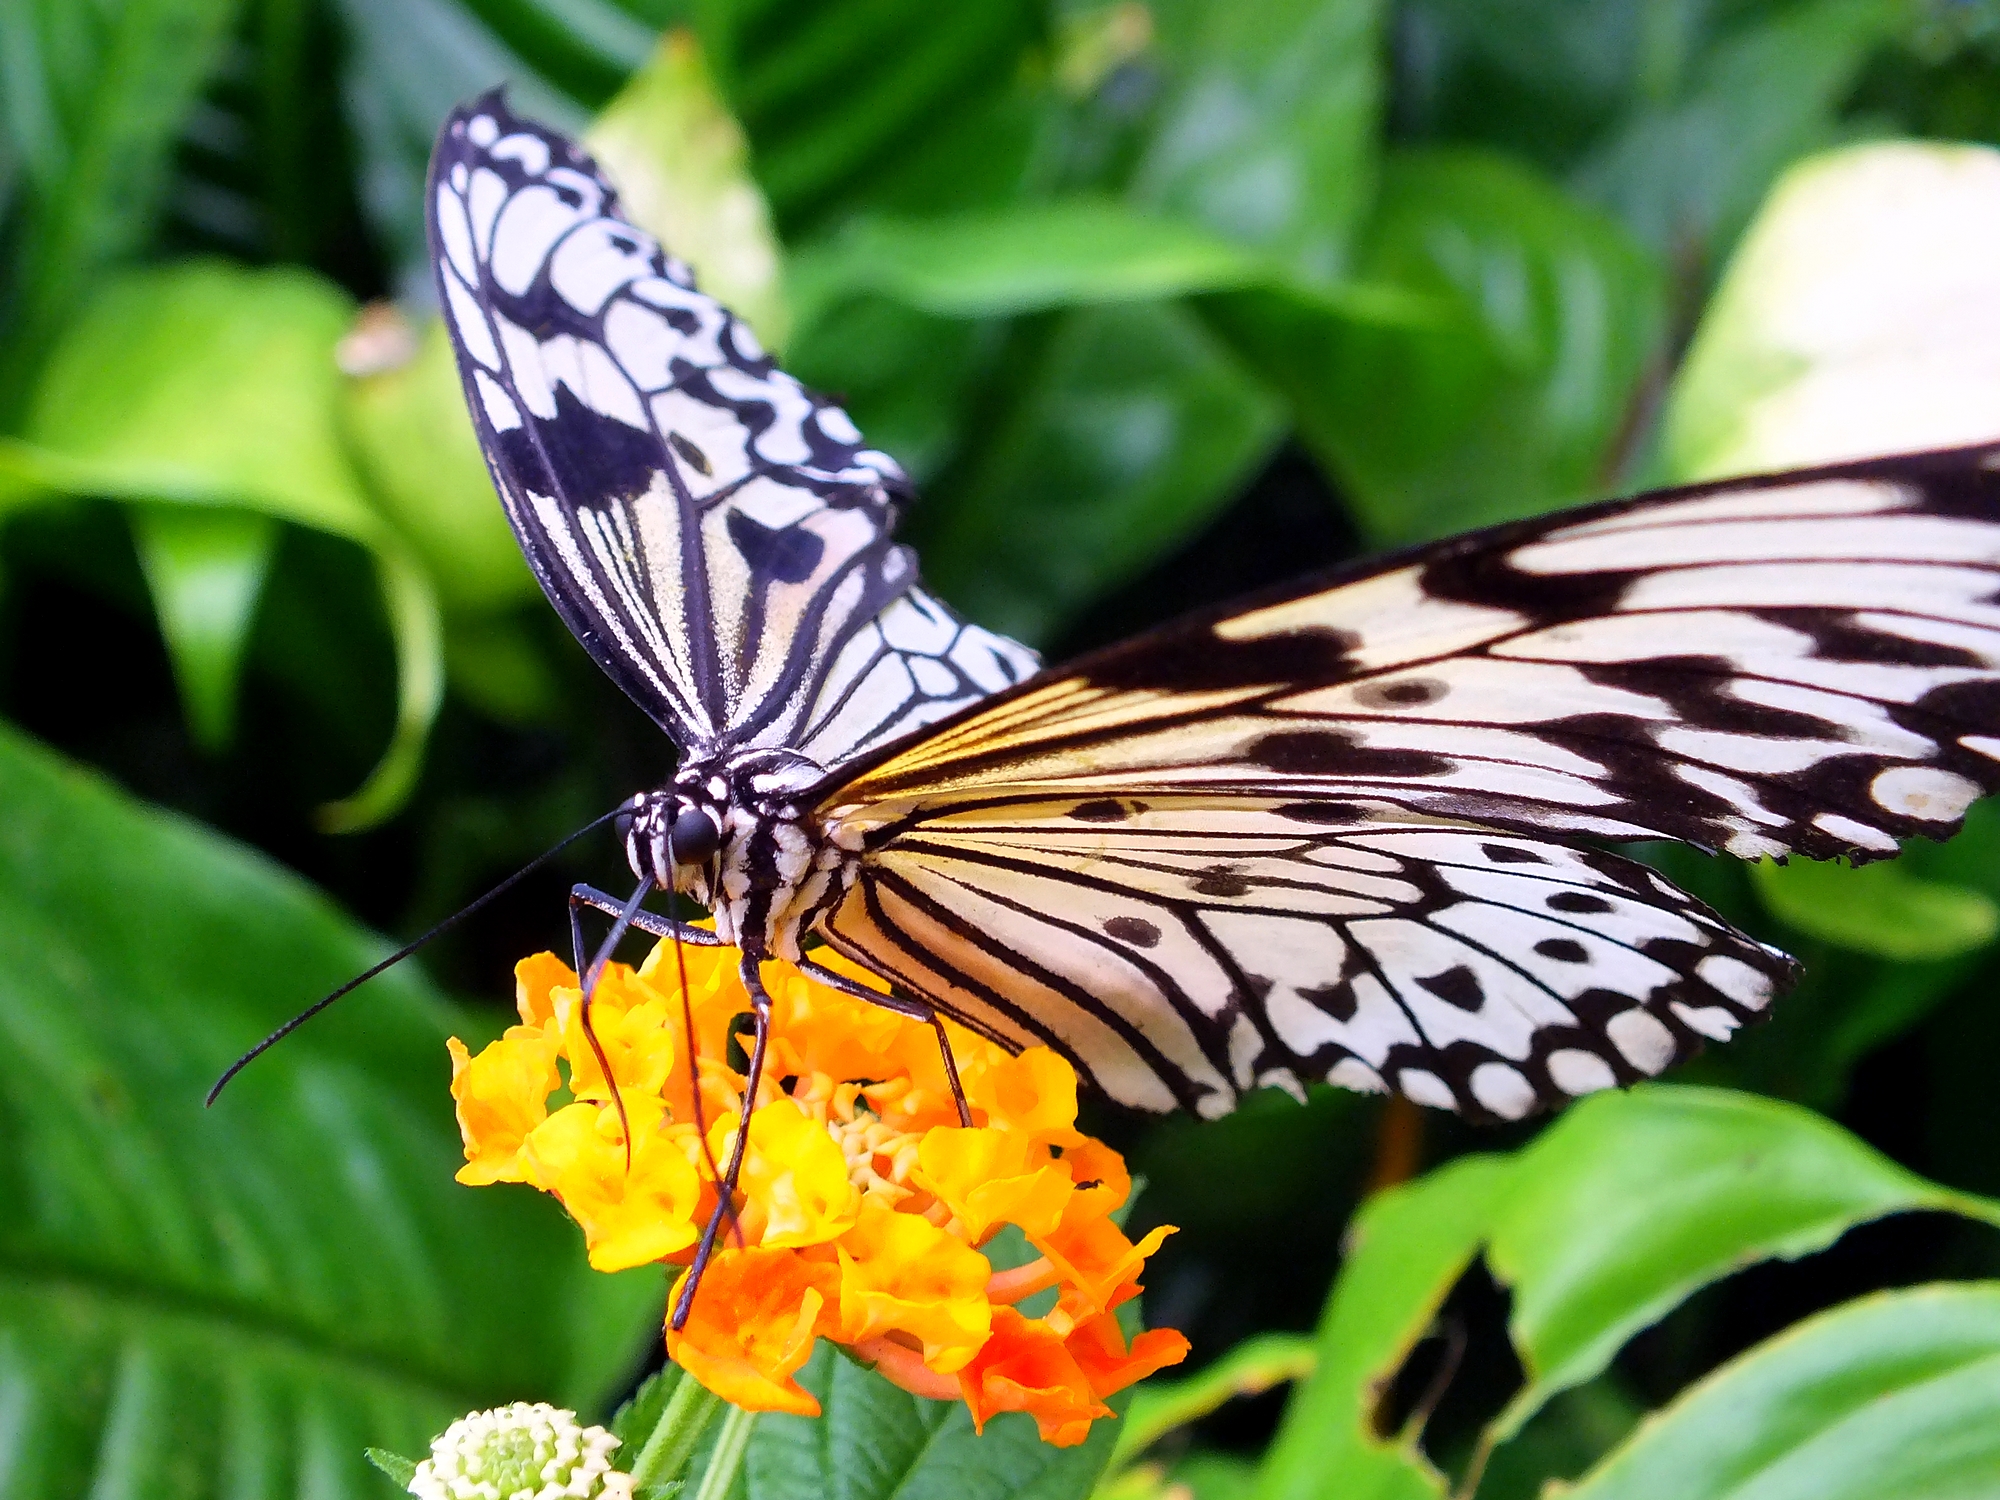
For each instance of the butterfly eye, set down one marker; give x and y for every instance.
(694, 836)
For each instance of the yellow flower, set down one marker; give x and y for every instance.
(862, 1201)
(794, 1178)
(502, 1095)
(901, 1274)
(631, 1216)
(993, 1177)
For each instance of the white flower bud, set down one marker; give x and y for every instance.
(521, 1452)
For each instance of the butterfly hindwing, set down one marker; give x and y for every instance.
(1183, 952)
(717, 536)
(1808, 664)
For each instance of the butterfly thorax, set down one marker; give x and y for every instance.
(736, 831)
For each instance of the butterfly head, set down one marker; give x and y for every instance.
(736, 831)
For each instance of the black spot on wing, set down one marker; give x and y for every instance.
(1221, 880)
(784, 555)
(587, 458)
(1458, 986)
(697, 459)
(1323, 812)
(1103, 810)
(1508, 854)
(1134, 930)
(1174, 661)
(1331, 752)
(1579, 902)
(1408, 692)
(1562, 950)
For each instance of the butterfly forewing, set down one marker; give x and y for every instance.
(1312, 838)
(1804, 665)
(716, 535)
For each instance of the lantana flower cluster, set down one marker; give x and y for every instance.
(863, 1202)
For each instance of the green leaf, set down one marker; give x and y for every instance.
(837, 97)
(1684, 174)
(877, 1442)
(683, 173)
(1896, 1394)
(241, 1300)
(399, 1469)
(1252, 1367)
(95, 98)
(206, 570)
(1131, 429)
(1632, 1201)
(1513, 395)
(1854, 319)
(1028, 257)
(1881, 909)
(1618, 1212)
(216, 386)
(409, 63)
(1269, 129)
(1406, 1249)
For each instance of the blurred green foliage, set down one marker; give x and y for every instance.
(1160, 301)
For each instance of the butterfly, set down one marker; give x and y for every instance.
(1350, 830)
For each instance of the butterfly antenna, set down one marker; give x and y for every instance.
(694, 1060)
(603, 956)
(399, 955)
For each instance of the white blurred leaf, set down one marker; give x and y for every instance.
(1861, 316)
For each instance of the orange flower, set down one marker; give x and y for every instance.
(794, 1178)
(993, 1177)
(1025, 1367)
(862, 1200)
(751, 1328)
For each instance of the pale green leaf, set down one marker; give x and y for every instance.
(212, 385)
(1893, 1395)
(1860, 316)
(413, 441)
(1880, 908)
(683, 173)
(206, 570)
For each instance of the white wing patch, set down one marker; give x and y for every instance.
(1183, 952)
(717, 536)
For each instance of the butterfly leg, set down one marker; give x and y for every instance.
(582, 897)
(725, 1190)
(916, 1010)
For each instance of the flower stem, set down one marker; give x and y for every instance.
(677, 1434)
(727, 1458)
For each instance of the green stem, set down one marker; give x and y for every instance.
(677, 1434)
(723, 1463)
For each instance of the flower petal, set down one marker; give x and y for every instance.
(630, 1216)
(501, 1095)
(751, 1328)
(900, 1273)
(1025, 1367)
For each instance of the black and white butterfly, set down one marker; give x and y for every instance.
(1339, 832)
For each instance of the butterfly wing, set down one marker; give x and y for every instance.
(716, 536)
(1183, 951)
(1343, 798)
